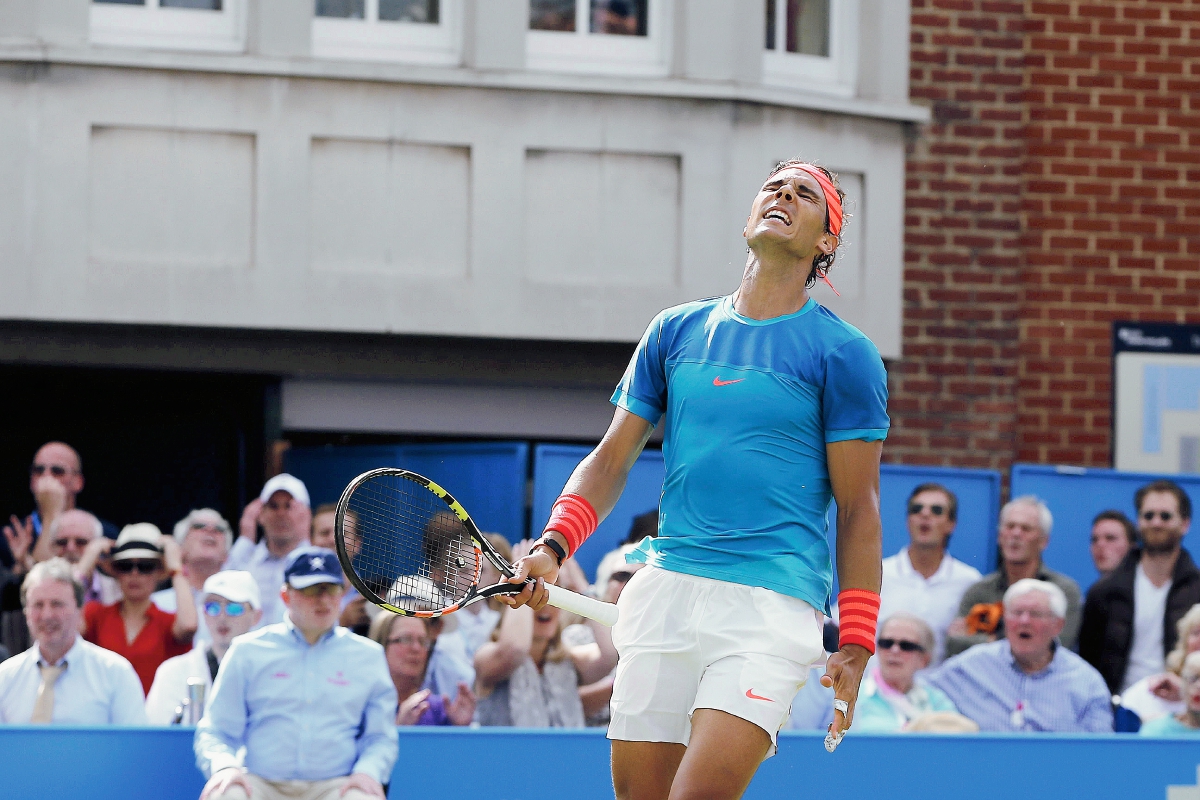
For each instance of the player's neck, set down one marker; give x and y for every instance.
(770, 289)
(926, 559)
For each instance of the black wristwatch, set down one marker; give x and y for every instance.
(554, 547)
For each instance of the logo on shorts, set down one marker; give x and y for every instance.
(750, 693)
(718, 382)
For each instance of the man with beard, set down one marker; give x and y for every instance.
(1130, 616)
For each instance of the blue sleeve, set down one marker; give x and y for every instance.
(378, 745)
(222, 729)
(643, 387)
(854, 400)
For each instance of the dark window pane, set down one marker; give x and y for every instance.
(621, 17)
(206, 5)
(122, 2)
(346, 9)
(408, 10)
(552, 15)
(770, 24)
(808, 27)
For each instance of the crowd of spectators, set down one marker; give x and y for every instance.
(107, 626)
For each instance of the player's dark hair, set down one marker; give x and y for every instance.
(822, 263)
(951, 498)
(1185, 502)
(1117, 516)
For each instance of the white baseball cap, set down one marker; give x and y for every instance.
(285, 483)
(235, 585)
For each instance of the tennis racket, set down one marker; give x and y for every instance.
(411, 548)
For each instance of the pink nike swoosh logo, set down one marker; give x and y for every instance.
(750, 693)
(718, 382)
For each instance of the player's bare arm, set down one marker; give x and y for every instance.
(599, 479)
(854, 475)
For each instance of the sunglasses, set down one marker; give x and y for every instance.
(408, 641)
(321, 589)
(63, 542)
(213, 608)
(621, 577)
(904, 644)
(54, 469)
(1165, 516)
(127, 566)
(917, 508)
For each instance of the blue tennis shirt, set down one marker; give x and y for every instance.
(750, 405)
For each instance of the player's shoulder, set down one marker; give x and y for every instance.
(835, 333)
(686, 312)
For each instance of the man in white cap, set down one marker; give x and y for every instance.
(312, 703)
(232, 605)
(283, 510)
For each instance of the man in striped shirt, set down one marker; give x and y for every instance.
(1028, 681)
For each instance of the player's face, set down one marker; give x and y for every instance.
(1109, 544)
(929, 523)
(322, 535)
(1159, 522)
(789, 212)
(1030, 625)
(1021, 539)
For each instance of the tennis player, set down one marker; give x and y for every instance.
(772, 405)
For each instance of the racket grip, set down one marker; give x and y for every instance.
(604, 613)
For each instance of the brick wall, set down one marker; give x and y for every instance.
(1048, 197)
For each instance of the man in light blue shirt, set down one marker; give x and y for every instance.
(312, 703)
(1027, 681)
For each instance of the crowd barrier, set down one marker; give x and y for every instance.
(507, 764)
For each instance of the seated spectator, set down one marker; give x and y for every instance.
(62, 679)
(79, 537)
(204, 538)
(323, 525)
(1186, 722)
(526, 677)
(891, 695)
(134, 627)
(1028, 681)
(923, 579)
(1113, 536)
(1025, 525)
(1130, 617)
(311, 703)
(232, 606)
(1160, 695)
(282, 508)
(477, 621)
(406, 644)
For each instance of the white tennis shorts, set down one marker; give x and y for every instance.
(687, 642)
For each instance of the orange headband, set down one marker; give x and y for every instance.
(832, 202)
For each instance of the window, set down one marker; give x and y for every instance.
(169, 24)
(606, 36)
(812, 44)
(416, 31)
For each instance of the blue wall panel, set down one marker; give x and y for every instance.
(554, 463)
(1075, 496)
(488, 478)
(503, 764)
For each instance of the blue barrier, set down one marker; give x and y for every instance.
(553, 464)
(1075, 496)
(498, 764)
(488, 478)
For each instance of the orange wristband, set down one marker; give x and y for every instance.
(858, 614)
(574, 518)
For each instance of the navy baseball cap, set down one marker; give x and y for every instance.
(307, 566)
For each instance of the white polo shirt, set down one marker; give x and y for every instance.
(934, 599)
(98, 687)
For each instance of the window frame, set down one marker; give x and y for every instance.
(581, 51)
(372, 39)
(154, 27)
(835, 74)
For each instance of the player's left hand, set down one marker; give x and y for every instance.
(364, 783)
(844, 672)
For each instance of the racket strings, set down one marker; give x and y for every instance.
(407, 546)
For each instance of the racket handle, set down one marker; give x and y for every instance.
(604, 613)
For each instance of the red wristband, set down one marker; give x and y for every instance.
(858, 614)
(574, 518)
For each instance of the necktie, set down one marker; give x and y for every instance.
(43, 707)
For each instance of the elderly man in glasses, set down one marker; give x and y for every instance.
(923, 579)
(204, 539)
(1130, 617)
(231, 605)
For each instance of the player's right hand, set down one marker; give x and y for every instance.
(538, 565)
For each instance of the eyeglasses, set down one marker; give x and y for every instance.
(206, 526)
(904, 644)
(127, 566)
(1038, 615)
(408, 641)
(213, 608)
(1165, 516)
(917, 508)
(622, 576)
(321, 589)
(54, 469)
(66, 540)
